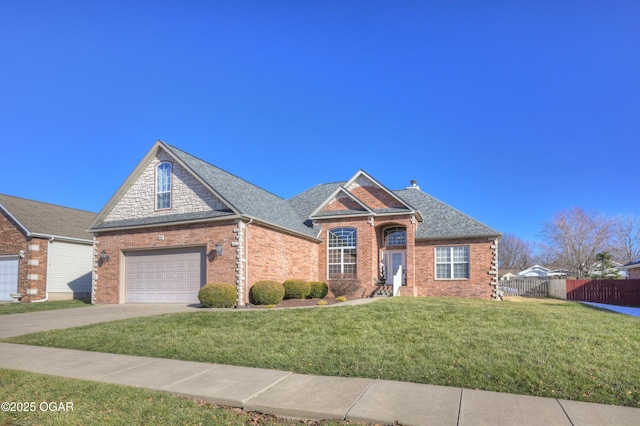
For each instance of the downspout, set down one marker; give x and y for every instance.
(46, 285)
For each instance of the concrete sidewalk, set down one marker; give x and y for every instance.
(284, 393)
(315, 397)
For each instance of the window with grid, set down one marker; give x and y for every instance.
(342, 252)
(163, 186)
(395, 236)
(452, 263)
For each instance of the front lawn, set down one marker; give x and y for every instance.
(565, 350)
(46, 400)
(19, 308)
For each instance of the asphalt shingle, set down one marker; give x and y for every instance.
(49, 219)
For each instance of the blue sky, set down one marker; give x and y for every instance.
(508, 111)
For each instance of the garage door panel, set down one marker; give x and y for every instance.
(164, 276)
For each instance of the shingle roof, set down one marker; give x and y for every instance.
(308, 201)
(442, 220)
(244, 197)
(49, 220)
(632, 264)
(250, 201)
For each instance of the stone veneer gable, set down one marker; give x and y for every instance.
(188, 195)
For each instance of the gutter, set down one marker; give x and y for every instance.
(220, 219)
(59, 238)
(161, 224)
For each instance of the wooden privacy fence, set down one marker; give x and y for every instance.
(612, 292)
(528, 287)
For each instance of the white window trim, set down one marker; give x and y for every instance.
(157, 191)
(342, 249)
(435, 263)
(390, 229)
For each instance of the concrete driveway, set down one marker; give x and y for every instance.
(34, 322)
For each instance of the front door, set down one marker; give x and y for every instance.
(395, 264)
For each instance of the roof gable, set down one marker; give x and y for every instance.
(342, 202)
(40, 219)
(211, 192)
(373, 194)
(360, 195)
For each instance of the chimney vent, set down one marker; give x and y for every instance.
(414, 184)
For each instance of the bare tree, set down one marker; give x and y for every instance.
(514, 253)
(575, 236)
(625, 246)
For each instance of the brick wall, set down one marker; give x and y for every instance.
(218, 269)
(271, 254)
(276, 255)
(372, 195)
(342, 202)
(369, 248)
(634, 274)
(479, 283)
(32, 269)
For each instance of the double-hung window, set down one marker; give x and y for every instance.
(342, 252)
(452, 263)
(163, 186)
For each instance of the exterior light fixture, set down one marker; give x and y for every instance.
(104, 256)
(21, 254)
(218, 250)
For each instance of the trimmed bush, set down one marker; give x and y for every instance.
(318, 290)
(267, 292)
(344, 285)
(296, 289)
(219, 295)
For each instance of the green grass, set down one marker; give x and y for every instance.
(95, 403)
(566, 351)
(18, 308)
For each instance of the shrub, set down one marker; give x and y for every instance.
(318, 290)
(322, 302)
(341, 299)
(296, 289)
(267, 292)
(343, 285)
(219, 295)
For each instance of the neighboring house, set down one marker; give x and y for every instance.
(178, 222)
(538, 271)
(613, 270)
(507, 274)
(632, 269)
(45, 251)
(534, 271)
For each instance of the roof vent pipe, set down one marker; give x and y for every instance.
(414, 184)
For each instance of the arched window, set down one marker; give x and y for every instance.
(342, 252)
(163, 186)
(395, 236)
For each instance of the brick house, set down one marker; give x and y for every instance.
(178, 222)
(633, 269)
(45, 251)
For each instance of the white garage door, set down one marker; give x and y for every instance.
(164, 276)
(8, 278)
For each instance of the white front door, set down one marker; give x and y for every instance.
(394, 260)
